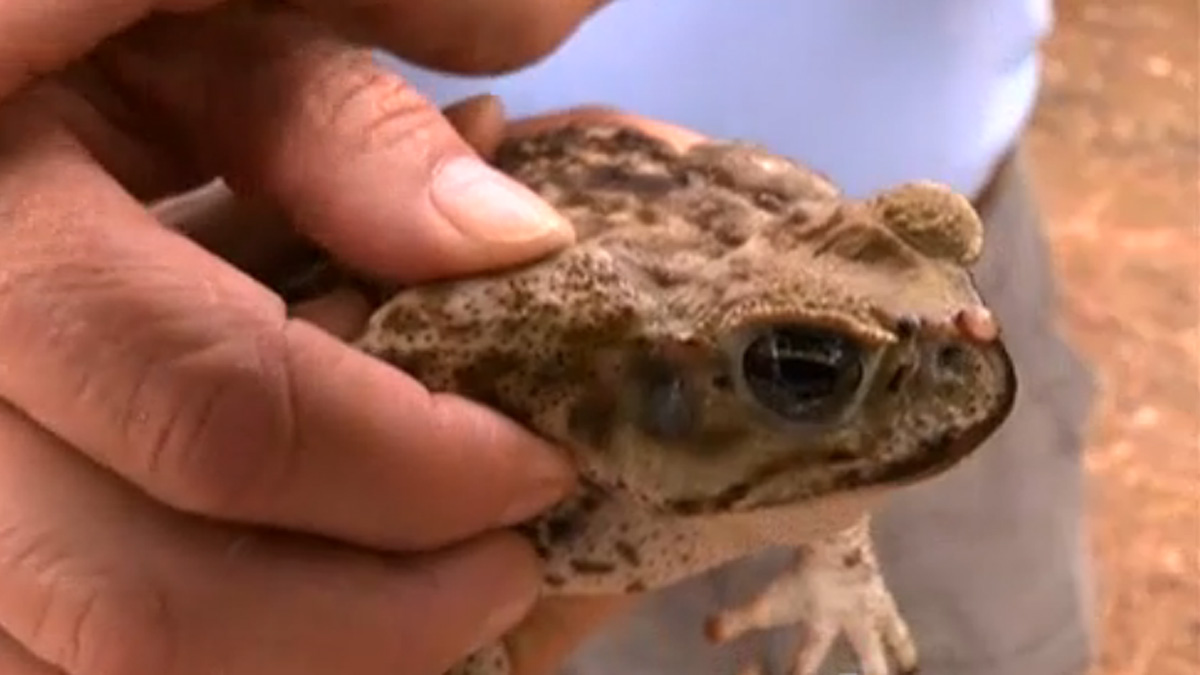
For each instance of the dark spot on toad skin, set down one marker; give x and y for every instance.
(717, 503)
(535, 531)
(628, 552)
(591, 567)
(590, 497)
(841, 455)
(482, 373)
(646, 215)
(562, 529)
(413, 362)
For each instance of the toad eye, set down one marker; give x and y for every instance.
(801, 373)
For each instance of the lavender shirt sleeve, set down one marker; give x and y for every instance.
(872, 92)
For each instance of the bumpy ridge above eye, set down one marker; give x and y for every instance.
(932, 218)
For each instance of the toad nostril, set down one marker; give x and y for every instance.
(907, 326)
(951, 357)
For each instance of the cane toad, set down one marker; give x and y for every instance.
(736, 357)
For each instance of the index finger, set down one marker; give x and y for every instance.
(179, 373)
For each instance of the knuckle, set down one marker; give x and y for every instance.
(225, 441)
(92, 629)
(83, 618)
(369, 107)
(17, 70)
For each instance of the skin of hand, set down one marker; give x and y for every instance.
(192, 479)
(557, 625)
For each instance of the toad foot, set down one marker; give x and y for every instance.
(834, 587)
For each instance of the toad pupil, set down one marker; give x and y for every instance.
(802, 373)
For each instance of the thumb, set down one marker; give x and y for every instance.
(357, 160)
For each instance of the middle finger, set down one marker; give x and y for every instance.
(96, 578)
(359, 161)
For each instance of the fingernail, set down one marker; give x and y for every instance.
(550, 480)
(485, 204)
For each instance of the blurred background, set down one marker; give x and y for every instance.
(1117, 144)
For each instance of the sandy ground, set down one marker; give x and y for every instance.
(1118, 150)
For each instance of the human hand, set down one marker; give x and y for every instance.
(558, 624)
(191, 481)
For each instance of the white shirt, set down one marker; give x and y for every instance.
(870, 92)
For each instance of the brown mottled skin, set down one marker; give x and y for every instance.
(736, 357)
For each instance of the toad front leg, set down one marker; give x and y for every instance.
(834, 587)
